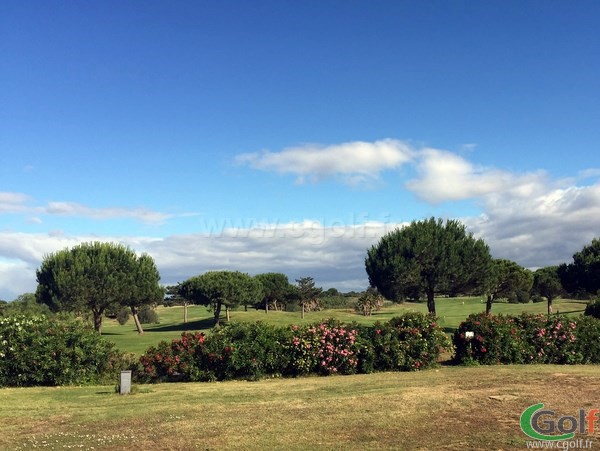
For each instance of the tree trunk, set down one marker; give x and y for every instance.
(185, 312)
(302, 316)
(98, 320)
(430, 301)
(227, 313)
(488, 304)
(136, 318)
(266, 307)
(245, 307)
(217, 314)
(549, 306)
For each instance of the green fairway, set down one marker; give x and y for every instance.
(451, 312)
(445, 408)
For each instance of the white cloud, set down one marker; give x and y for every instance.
(75, 209)
(589, 173)
(356, 162)
(445, 176)
(331, 254)
(542, 229)
(15, 279)
(13, 202)
(535, 225)
(528, 217)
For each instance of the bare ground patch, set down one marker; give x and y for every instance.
(449, 408)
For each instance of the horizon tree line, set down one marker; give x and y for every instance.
(424, 259)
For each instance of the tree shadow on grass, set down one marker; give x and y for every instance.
(570, 311)
(206, 323)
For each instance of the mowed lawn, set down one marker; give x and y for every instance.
(451, 312)
(461, 408)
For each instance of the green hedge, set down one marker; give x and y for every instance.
(252, 351)
(498, 339)
(42, 351)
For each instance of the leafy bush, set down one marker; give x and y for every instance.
(537, 298)
(512, 298)
(42, 351)
(497, 339)
(122, 316)
(489, 340)
(336, 302)
(147, 315)
(593, 309)
(523, 296)
(587, 342)
(171, 360)
(370, 300)
(409, 342)
(251, 351)
(235, 351)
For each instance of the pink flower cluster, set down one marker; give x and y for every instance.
(336, 348)
(332, 346)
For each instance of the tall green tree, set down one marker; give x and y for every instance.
(546, 283)
(432, 256)
(508, 279)
(221, 288)
(145, 289)
(175, 296)
(307, 292)
(583, 275)
(93, 276)
(276, 288)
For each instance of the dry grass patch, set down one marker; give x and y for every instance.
(447, 408)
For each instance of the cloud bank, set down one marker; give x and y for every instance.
(333, 255)
(530, 218)
(11, 203)
(353, 162)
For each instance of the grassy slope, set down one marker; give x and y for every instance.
(447, 408)
(450, 311)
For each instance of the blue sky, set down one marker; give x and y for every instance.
(289, 136)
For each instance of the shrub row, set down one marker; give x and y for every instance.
(42, 351)
(498, 339)
(252, 351)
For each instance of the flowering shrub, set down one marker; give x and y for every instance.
(552, 338)
(526, 339)
(172, 360)
(235, 351)
(326, 348)
(409, 342)
(252, 351)
(587, 341)
(491, 339)
(41, 351)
